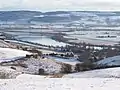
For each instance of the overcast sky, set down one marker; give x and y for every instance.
(55, 5)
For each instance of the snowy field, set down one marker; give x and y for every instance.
(95, 37)
(100, 73)
(29, 82)
(8, 54)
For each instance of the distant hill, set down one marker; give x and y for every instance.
(16, 15)
(81, 17)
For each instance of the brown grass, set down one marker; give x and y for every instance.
(57, 76)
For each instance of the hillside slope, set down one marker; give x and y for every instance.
(101, 73)
(111, 61)
(41, 83)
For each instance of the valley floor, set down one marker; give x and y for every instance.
(104, 79)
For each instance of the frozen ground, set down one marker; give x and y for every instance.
(26, 82)
(8, 54)
(37, 82)
(101, 73)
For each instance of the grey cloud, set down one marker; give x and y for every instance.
(60, 4)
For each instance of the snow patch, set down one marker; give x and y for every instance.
(8, 54)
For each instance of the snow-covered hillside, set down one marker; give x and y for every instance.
(102, 73)
(111, 61)
(39, 83)
(8, 73)
(8, 54)
(48, 65)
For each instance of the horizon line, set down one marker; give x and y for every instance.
(63, 10)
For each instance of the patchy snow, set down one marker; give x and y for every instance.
(110, 61)
(101, 73)
(7, 73)
(8, 54)
(4, 44)
(49, 66)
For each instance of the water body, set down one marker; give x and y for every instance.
(42, 40)
(34, 37)
(71, 61)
